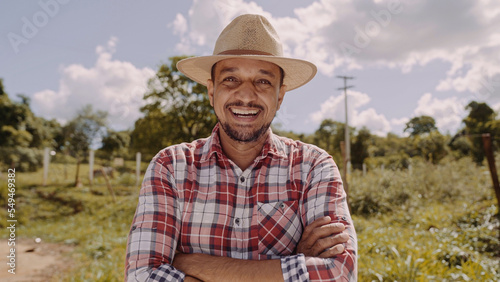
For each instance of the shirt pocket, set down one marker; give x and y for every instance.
(279, 227)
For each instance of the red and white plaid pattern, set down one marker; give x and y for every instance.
(194, 199)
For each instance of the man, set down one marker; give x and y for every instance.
(243, 204)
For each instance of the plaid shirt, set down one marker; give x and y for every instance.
(196, 200)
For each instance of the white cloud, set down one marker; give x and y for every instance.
(399, 121)
(179, 25)
(377, 123)
(205, 20)
(334, 108)
(110, 85)
(342, 34)
(448, 112)
(354, 34)
(496, 107)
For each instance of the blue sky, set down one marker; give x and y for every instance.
(408, 58)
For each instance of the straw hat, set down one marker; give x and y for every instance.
(253, 37)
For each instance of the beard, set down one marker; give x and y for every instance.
(241, 134)
(244, 136)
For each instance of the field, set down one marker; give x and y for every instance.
(433, 223)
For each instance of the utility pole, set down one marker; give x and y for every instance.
(347, 142)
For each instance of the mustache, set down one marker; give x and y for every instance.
(241, 104)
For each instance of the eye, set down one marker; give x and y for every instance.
(264, 81)
(230, 79)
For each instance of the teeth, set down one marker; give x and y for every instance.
(244, 112)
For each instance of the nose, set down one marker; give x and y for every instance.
(246, 92)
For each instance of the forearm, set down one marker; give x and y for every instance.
(154, 233)
(340, 268)
(212, 268)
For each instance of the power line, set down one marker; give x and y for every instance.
(347, 142)
(347, 135)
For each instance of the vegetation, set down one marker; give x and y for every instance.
(177, 110)
(420, 125)
(435, 222)
(22, 134)
(424, 211)
(81, 133)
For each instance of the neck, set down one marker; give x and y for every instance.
(242, 153)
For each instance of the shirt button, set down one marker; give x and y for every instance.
(242, 179)
(237, 221)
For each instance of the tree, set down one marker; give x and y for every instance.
(328, 136)
(177, 110)
(391, 151)
(481, 119)
(420, 125)
(359, 149)
(83, 132)
(22, 134)
(115, 144)
(13, 120)
(432, 146)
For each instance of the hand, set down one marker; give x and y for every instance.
(191, 279)
(323, 239)
(182, 262)
(213, 268)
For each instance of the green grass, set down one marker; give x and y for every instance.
(429, 245)
(437, 223)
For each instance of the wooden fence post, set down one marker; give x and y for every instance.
(110, 188)
(138, 169)
(46, 160)
(91, 167)
(491, 162)
(346, 171)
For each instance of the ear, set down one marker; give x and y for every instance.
(210, 91)
(281, 95)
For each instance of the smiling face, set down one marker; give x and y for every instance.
(245, 94)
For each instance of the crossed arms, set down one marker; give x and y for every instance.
(321, 239)
(155, 237)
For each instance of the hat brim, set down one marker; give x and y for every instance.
(297, 72)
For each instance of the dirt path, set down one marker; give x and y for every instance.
(34, 262)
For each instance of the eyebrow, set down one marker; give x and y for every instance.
(265, 72)
(234, 69)
(224, 70)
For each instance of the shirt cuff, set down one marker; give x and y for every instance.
(294, 268)
(165, 272)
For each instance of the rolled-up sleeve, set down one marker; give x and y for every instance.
(324, 196)
(155, 229)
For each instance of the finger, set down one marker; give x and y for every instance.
(309, 235)
(326, 231)
(329, 242)
(317, 223)
(332, 228)
(333, 251)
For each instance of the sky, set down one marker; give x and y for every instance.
(408, 58)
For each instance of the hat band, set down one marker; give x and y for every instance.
(244, 52)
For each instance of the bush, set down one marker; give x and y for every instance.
(23, 159)
(383, 191)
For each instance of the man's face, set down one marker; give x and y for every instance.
(246, 95)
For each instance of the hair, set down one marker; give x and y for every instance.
(282, 74)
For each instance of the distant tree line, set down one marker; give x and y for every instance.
(177, 110)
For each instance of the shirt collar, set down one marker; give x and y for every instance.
(273, 146)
